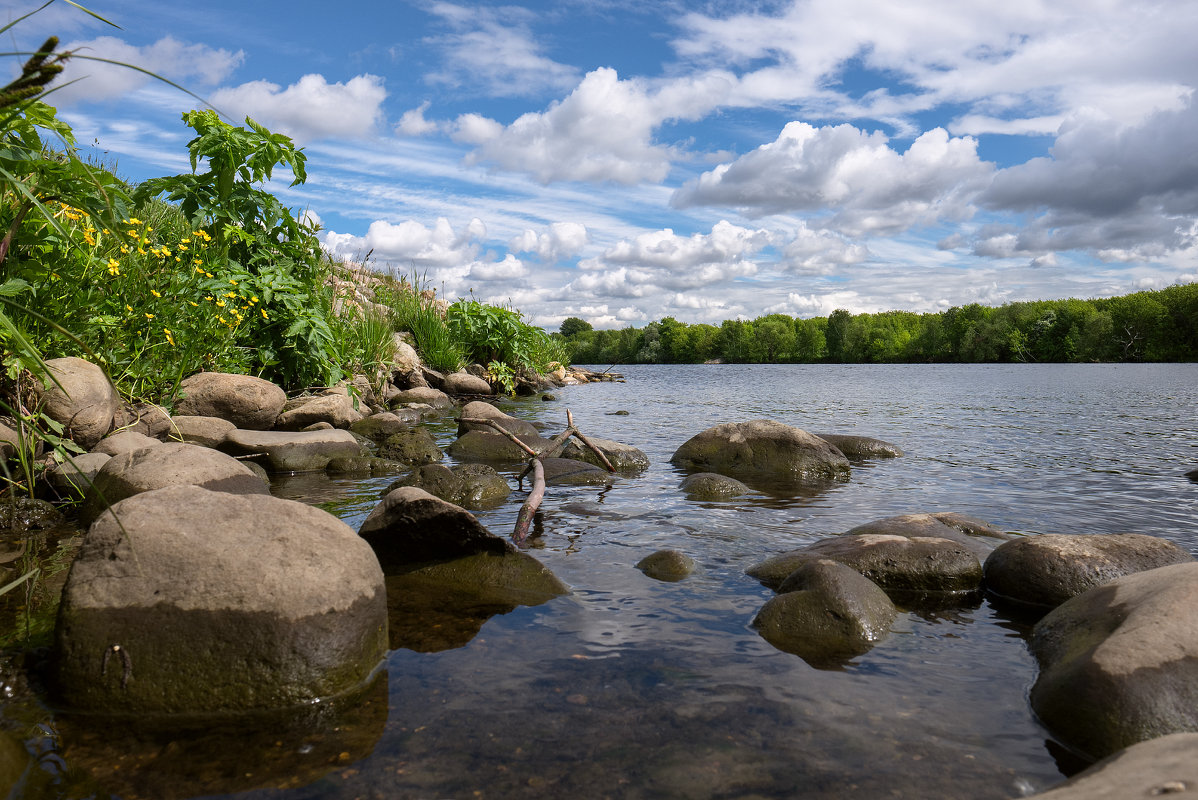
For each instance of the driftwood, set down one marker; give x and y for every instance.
(537, 493)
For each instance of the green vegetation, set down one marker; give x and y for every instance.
(1145, 326)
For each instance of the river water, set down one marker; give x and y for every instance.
(635, 688)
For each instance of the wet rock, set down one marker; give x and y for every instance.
(378, 427)
(827, 613)
(144, 418)
(428, 396)
(24, 514)
(465, 383)
(548, 397)
(763, 454)
(411, 447)
(466, 485)
(1119, 663)
(286, 451)
(124, 442)
(493, 447)
(620, 413)
(478, 409)
(1163, 767)
(901, 566)
(978, 536)
(410, 526)
(249, 403)
(169, 464)
(203, 431)
(667, 565)
(219, 603)
(73, 478)
(83, 400)
(858, 448)
(336, 410)
(1045, 571)
(364, 465)
(625, 458)
(568, 472)
(710, 486)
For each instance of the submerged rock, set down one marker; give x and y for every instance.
(764, 454)
(494, 447)
(568, 472)
(710, 486)
(978, 536)
(1045, 571)
(466, 485)
(624, 457)
(249, 403)
(667, 565)
(858, 448)
(1119, 663)
(410, 526)
(411, 447)
(199, 602)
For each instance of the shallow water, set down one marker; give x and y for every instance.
(630, 687)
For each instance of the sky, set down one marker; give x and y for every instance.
(624, 161)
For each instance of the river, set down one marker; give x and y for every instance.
(635, 688)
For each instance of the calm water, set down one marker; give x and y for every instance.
(635, 688)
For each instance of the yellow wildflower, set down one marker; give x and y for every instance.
(220, 303)
(155, 293)
(263, 310)
(182, 247)
(254, 299)
(194, 303)
(169, 338)
(124, 249)
(149, 316)
(89, 236)
(133, 221)
(202, 235)
(114, 267)
(232, 281)
(131, 233)
(129, 308)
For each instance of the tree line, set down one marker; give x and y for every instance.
(1144, 326)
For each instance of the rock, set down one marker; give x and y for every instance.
(144, 418)
(827, 614)
(625, 458)
(763, 454)
(427, 396)
(494, 447)
(73, 478)
(411, 447)
(405, 360)
(219, 603)
(337, 410)
(318, 426)
(169, 464)
(249, 403)
(548, 397)
(285, 451)
(363, 465)
(978, 536)
(466, 485)
(10, 441)
(83, 400)
(858, 448)
(20, 515)
(1119, 663)
(479, 409)
(204, 431)
(896, 563)
(710, 486)
(1163, 767)
(1193, 475)
(432, 377)
(465, 383)
(124, 442)
(568, 472)
(410, 526)
(378, 427)
(620, 413)
(667, 565)
(1044, 571)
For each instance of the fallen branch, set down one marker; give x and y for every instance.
(531, 503)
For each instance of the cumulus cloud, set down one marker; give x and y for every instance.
(413, 123)
(410, 242)
(870, 187)
(561, 240)
(510, 268)
(820, 252)
(310, 108)
(168, 57)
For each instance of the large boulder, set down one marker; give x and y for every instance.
(1045, 571)
(624, 457)
(410, 526)
(763, 454)
(335, 408)
(292, 451)
(494, 447)
(568, 472)
(78, 395)
(1119, 663)
(978, 536)
(168, 464)
(1161, 767)
(410, 447)
(710, 486)
(405, 360)
(465, 383)
(860, 448)
(204, 431)
(189, 601)
(827, 613)
(479, 409)
(249, 403)
(426, 396)
(466, 485)
(378, 427)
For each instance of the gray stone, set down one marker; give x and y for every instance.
(378, 427)
(624, 457)
(568, 472)
(410, 526)
(1163, 767)
(466, 485)
(10, 440)
(405, 360)
(169, 464)
(74, 477)
(337, 410)
(710, 486)
(411, 447)
(82, 400)
(764, 454)
(218, 603)
(479, 409)
(144, 418)
(493, 447)
(465, 383)
(1119, 663)
(428, 396)
(124, 442)
(286, 451)
(826, 614)
(667, 565)
(859, 448)
(1045, 571)
(364, 465)
(250, 403)
(978, 536)
(204, 431)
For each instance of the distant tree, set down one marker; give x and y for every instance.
(572, 326)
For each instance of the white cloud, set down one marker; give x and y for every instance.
(820, 252)
(310, 108)
(413, 123)
(510, 268)
(561, 240)
(411, 243)
(168, 57)
(727, 245)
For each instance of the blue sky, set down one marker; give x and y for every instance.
(626, 161)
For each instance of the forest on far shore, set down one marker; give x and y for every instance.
(1144, 326)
